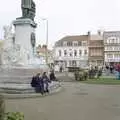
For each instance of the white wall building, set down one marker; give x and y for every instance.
(72, 51)
(111, 47)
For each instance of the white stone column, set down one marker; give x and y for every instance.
(23, 30)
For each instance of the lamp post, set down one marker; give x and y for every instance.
(44, 19)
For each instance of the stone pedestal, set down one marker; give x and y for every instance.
(24, 28)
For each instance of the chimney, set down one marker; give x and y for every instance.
(88, 33)
(99, 32)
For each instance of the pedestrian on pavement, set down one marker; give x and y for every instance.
(111, 68)
(52, 76)
(99, 73)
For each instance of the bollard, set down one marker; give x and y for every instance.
(2, 107)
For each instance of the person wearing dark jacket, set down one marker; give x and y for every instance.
(46, 81)
(52, 76)
(38, 84)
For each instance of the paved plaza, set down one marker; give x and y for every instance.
(75, 102)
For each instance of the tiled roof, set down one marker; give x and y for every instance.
(74, 38)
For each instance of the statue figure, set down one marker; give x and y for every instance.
(28, 9)
(8, 36)
(7, 31)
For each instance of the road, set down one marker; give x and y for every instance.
(75, 102)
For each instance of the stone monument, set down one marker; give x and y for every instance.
(19, 47)
(25, 29)
(19, 63)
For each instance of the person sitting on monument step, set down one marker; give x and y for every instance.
(38, 84)
(46, 81)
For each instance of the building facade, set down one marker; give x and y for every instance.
(96, 50)
(72, 51)
(44, 53)
(111, 47)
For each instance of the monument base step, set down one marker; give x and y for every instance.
(24, 88)
(30, 95)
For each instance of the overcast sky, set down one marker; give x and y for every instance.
(66, 17)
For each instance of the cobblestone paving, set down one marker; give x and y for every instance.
(76, 102)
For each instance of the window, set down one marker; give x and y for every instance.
(75, 53)
(74, 63)
(113, 40)
(75, 43)
(59, 52)
(70, 52)
(69, 43)
(85, 52)
(109, 55)
(79, 43)
(80, 52)
(70, 63)
(92, 52)
(65, 43)
(84, 43)
(116, 56)
(65, 52)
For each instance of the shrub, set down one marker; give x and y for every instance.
(9, 115)
(14, 116)
(81, 75)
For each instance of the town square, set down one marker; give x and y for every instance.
(59, 60)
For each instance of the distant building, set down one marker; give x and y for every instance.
(72, 51)
(111, 47)
(44, 53)
(96, 50)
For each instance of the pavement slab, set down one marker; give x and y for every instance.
(76, 102)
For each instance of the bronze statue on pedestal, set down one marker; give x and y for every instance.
(28, 9)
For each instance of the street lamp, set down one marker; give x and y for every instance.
(44, 19)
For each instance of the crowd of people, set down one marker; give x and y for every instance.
(41, 82)
(113, 69)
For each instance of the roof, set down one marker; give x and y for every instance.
(74, 38)
(96, 37)
(43, 50)
(111, 31)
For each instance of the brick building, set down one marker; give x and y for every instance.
(96, 50)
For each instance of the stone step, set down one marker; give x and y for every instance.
(23, 88)
(30, 95)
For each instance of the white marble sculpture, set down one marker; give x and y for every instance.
(8, 36)
(13, 54)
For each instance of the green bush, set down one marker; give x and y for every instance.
(81, 75)
(14, 116)
(9, 115)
